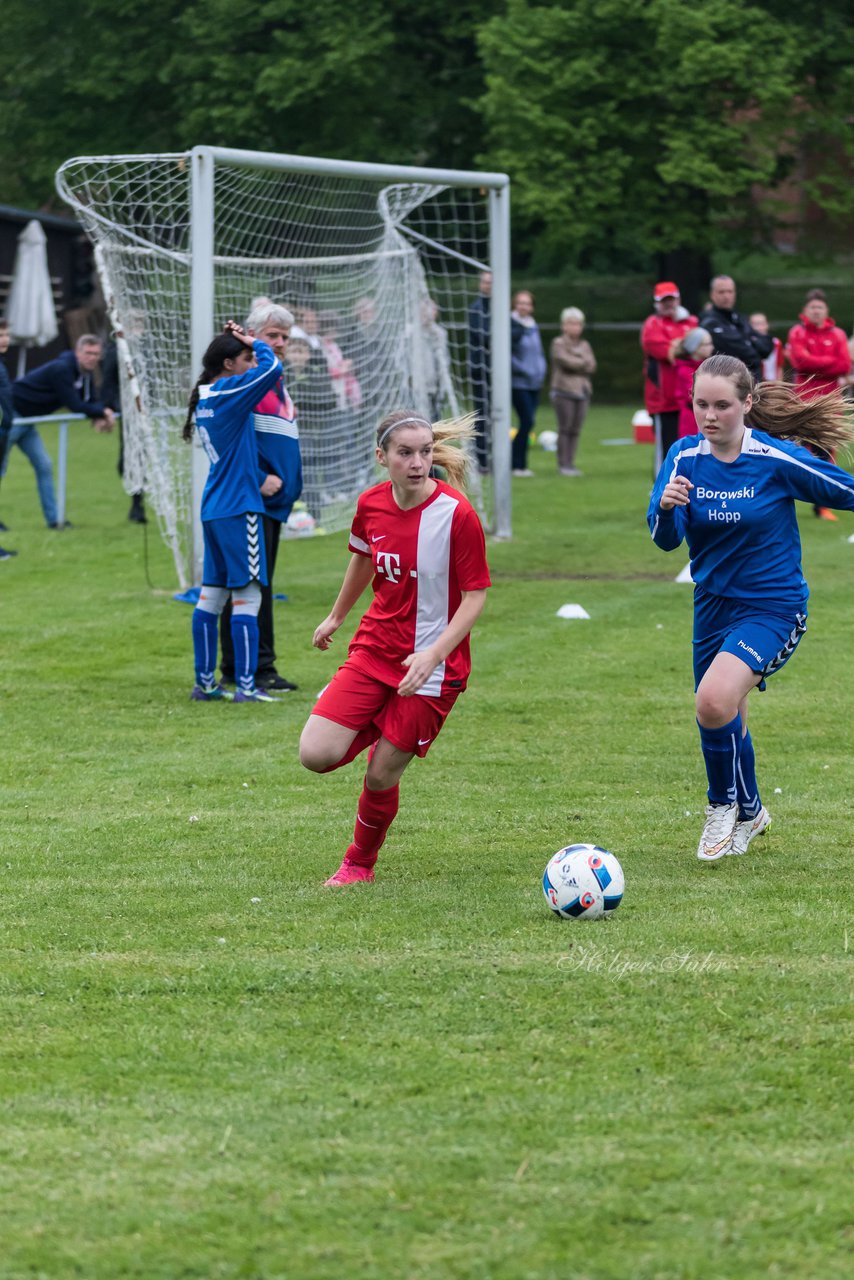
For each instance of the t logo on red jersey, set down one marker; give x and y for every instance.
(389, 564)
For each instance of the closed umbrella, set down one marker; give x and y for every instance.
(30, 310)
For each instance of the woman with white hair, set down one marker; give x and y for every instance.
(572, 362)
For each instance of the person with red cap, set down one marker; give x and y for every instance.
(668, 323)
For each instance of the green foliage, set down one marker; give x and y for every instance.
(637, 122)
(85, 79)
(392, 81)
(214, 1069)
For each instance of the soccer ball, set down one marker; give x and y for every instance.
(301, 522)
(583, 882)
(548, 441)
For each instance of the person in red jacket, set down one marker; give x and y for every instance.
(669, 322)
(818, 352)
(818, 349)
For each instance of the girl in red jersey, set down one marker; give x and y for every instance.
(421, 545)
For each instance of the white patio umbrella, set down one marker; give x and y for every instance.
(30, 310)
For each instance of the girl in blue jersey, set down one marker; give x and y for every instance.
(237, 372)
(730, 493)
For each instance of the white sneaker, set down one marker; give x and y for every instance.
(746, 830)
(521, 471)
(716, 840)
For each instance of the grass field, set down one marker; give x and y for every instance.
(211, 1067)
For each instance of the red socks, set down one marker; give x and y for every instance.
(376, 813)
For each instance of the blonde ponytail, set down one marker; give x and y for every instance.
(450, 457)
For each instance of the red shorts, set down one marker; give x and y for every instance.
(356, 699)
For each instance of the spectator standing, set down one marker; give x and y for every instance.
(365, 347)
(111, 395)
(847, 381)
(772, 366)
(731, 333)
(280, 483)
(818, 353)
(668, 323)
(480, 367)
(688, 354)
(6, 414)
(345, 384)
(64, 383)
(818, 349)
(572, 362)
(313, 395)
(436, 358)
(528, 372)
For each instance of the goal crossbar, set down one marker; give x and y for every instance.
(185, 238)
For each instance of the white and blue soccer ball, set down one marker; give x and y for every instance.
(583, 882)
(548, 441)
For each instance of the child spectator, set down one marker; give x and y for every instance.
(686, 355)
(345, 384)
(772, 366)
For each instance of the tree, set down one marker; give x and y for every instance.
(81, 79)
(387, 80)
(641, 126)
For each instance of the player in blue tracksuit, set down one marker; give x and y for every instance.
(280, 482)
(230, 386)
(730, 493)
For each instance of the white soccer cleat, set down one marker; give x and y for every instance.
(746, 830)
(716, 840)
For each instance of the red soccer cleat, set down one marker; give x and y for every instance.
(349, 873)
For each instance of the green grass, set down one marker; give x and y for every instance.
(212, 1068)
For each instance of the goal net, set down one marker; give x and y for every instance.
(383, 268)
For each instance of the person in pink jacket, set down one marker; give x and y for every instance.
(669, 321)
(687, 354)
(818, 349)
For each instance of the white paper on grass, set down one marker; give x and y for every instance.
(572, 611)
(685, 575)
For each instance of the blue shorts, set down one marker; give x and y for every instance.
(234, 551)
(765, 641)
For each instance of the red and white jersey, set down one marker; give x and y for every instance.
(423, 560)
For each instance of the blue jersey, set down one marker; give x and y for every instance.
(227, 432)
(277, 436)
(740, 523)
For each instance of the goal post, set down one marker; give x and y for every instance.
(380, 264)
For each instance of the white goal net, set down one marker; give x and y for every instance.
(382, 268)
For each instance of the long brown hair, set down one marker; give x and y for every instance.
(445, 454)
(825, 422)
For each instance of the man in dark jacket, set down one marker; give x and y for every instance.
(731, 333)
(64, 383)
